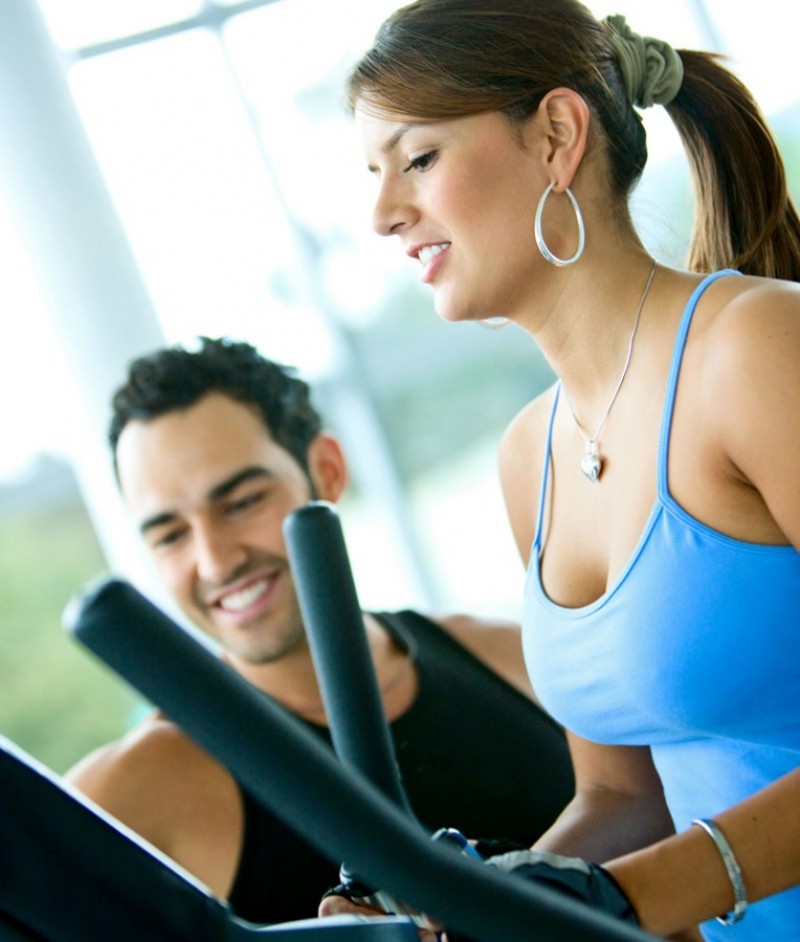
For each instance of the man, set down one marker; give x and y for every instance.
(212, 449)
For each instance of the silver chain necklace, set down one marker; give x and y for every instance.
(592, 461)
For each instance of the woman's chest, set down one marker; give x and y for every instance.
(695, 636)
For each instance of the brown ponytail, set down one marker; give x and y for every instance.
(744, 218)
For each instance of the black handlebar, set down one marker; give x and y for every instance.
(335, 631)
(298, 778)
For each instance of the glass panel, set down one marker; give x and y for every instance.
(758, 53)
(674, 22)
(761, 47)
(36, 389)
(297, 100)
(209, 233)
(55, 702)
(75, 23)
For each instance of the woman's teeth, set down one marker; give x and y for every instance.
(428, 252)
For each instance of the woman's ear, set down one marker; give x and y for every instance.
(564, 119)
(327, 467)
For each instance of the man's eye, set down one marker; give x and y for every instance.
(423, 162)
(170, 538)
(243, 503)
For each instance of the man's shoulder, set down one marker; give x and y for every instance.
(151, 757)
(177, 797)
(495, 642)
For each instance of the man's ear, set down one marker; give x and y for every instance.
(563, 119)
(327, 467)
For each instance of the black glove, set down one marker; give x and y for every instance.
(587, 882)
(495, 846)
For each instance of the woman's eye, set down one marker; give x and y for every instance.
(423, 162)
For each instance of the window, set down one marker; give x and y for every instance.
(219, 131)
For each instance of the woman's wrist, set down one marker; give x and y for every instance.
(732, 868)
(675, 884)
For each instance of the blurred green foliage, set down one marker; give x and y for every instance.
(56, 701)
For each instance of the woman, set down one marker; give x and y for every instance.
(653, 491)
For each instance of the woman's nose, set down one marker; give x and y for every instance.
(392, 211)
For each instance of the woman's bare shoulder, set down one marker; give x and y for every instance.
(531, 420)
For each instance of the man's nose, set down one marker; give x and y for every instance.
(217, 555)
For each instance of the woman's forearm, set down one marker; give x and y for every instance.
(682, 880)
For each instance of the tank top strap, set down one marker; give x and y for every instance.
(674, 373)
(537, 540)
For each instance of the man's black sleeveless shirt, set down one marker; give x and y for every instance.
(473, 752)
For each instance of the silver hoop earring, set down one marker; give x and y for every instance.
(537, 230)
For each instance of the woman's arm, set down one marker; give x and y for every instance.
(618, 810)
(752, 379)
(682, 880)
(618, 805)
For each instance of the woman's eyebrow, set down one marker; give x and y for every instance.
(395, 138)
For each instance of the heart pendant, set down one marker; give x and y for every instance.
(591, 465)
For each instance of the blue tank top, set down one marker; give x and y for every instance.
(693, 651)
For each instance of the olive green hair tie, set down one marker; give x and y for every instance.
(652, 72)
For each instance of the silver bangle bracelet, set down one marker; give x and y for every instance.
(732, 866)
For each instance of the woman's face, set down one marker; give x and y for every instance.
(461, 197)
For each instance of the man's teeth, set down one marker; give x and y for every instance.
(428, 252)
(237, 601)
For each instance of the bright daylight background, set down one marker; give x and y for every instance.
(201, 176)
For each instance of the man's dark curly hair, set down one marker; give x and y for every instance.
(175, 378)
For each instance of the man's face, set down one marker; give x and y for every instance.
(210, 488)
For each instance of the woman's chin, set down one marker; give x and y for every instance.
(453, 313)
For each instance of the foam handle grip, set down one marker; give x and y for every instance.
(335, 630)
(297, 777)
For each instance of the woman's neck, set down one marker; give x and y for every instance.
(584, 321)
